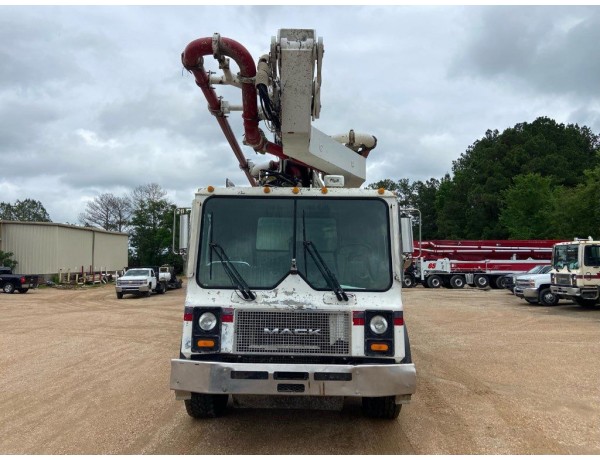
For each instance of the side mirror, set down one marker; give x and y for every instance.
(406, 235)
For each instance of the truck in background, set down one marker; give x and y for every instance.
(479, 263)
(534, 288)
(139, 281)
(167, 276)
(576, 271)
(11, 282)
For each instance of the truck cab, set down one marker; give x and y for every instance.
(576, 271)
(294, 292)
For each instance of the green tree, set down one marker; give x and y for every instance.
(6, 260)
(527, 211)
(26, 210)
(575, 211)
(470, 203)
(151, 226)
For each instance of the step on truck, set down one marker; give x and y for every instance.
(294, 284)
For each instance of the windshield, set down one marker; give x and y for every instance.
(565, 255)
(261, 237)
(137, 272)
(536, 269)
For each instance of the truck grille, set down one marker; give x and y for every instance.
(563, 278)
(286, 332)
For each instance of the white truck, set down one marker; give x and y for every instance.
(139, 281)
(576, 271)
(535, 287)
(294, 285)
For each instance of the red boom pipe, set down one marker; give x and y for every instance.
(192, 59)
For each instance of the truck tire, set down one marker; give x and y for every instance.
(408, 281)
(434, 281)
(23, 290)
(481, 281)
(548, 298)
(9, 288)
(500, 282)
(119, 295)
(206, 405)
(457, 282)
(381, 407)
(579, 301)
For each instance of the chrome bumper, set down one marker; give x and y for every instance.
(531, 293)
(293, 379)
(585, 293)
(142, 288)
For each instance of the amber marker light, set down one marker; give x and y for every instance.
(206, 343)
(295, 190)
(379, 347)
(267, 189)
(324, 190)
(381, 191)
(210, 189)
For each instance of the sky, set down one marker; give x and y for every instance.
(94, 99)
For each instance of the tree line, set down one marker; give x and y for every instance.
(538, 180)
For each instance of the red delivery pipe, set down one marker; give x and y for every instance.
(193, 61)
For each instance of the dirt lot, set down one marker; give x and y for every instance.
(84, 373)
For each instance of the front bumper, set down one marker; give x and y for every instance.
(125, 289)
(531, 294)
(572, 292)
(369, 380)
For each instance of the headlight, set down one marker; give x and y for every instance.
(378, 324)
(207, 321)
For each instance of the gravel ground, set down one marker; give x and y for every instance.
(84, 373)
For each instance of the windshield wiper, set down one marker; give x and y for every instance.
(236, 279)
(330, 278)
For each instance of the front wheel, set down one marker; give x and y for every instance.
(381, 407)
(548, 298)
(206, 405)
(408, 281)
(9, 288)
(119, 295)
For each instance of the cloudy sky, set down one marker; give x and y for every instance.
(95, 100)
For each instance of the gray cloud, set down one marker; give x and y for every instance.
(95, 98)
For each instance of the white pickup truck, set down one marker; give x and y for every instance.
(140, 281)
(535, 288)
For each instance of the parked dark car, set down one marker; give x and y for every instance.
(11, 282)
